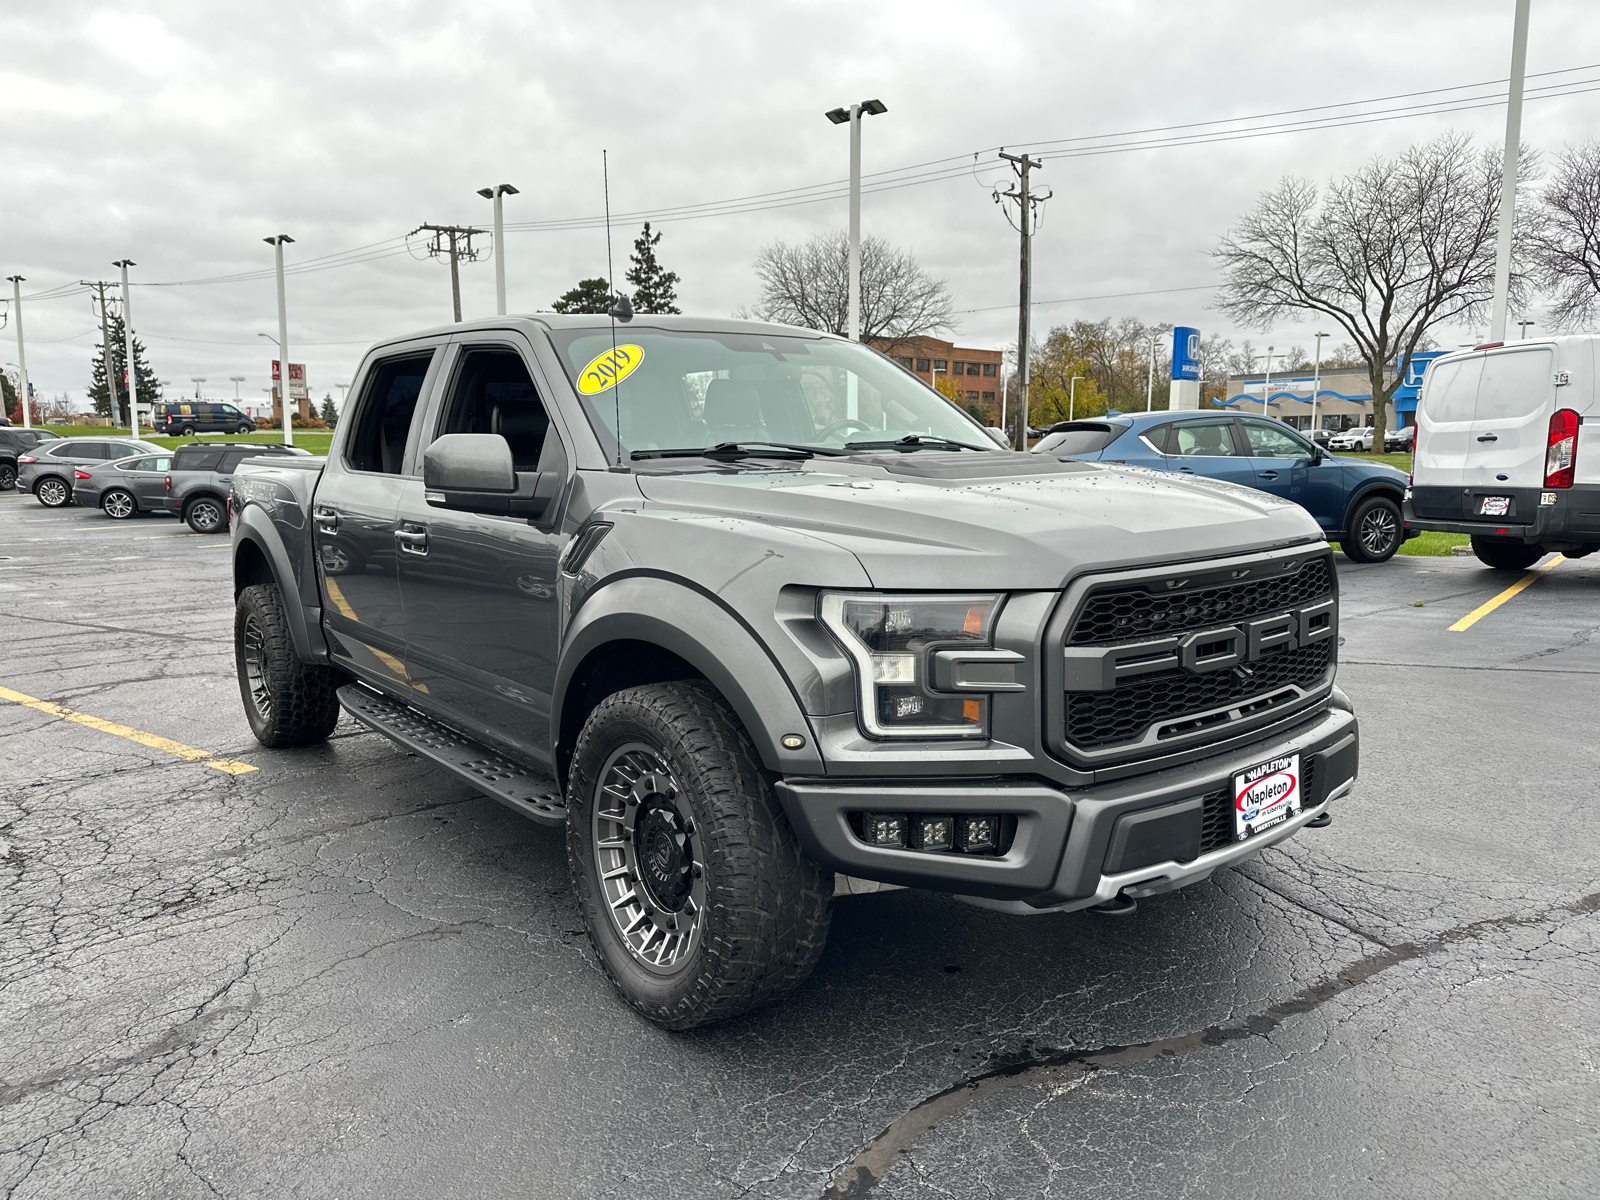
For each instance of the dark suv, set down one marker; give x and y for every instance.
(14, 442)
(201, 476)
(187, 417)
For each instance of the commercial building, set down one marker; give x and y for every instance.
(1344, 399)
(976, 373)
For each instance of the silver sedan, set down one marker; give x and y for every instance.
(126, 487)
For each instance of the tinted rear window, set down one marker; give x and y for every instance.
(1079, 439)
(196, 460)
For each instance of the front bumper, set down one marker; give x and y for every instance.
(1071, 848)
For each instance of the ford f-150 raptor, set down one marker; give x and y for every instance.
(742, 607)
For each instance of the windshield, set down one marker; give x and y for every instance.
(693, 390)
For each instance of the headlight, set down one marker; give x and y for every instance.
(894, 641)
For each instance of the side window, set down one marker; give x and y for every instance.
(1203, 439)
(1267, 441)
(92, 450)
(1450, 392)
(493, 393)
(389, 401)
(1160, 438)
(232, 459)
(197, 460)
(116, 450)
(1514, 384)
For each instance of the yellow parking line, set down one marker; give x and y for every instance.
(1483, 610)
(188, 753)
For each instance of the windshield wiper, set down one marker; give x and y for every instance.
(741, 450)
(915, 441)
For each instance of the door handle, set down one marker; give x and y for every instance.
(1268, 474)
(412, 541)
(1185, 471)
(1489, 437)
(327, 520)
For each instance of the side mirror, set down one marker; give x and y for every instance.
(474, 472)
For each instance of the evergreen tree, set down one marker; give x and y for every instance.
(9, 404)
(330, 415)
(149, 387)
(590, 296)
(654, 290)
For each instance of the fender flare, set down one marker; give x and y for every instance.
(200, 493)
(252, 525)
(710, 637)
(1365, 491)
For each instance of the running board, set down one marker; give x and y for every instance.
(526, 791)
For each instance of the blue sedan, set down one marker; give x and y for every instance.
(1357, 503)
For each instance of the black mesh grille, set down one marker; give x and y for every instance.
(1132, 612)
(1125, 712)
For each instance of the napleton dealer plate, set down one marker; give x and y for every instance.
(1265, 795)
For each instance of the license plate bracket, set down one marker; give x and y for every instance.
(1266, 795)
(1494, 506)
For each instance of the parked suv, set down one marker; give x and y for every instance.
(50, 471)
(187, 417)
(201, 475)
(1500, 451)
(740, 608)
(1359, 438)
(1356, 503)
(16, 442)
(126, 487)
(1398, 440)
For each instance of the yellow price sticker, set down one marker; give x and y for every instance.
(609, 369)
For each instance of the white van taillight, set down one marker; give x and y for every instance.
(1561, 455)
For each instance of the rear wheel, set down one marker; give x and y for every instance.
(1505, 556)
(52, 492)
(698, 899)
(118, 505)
(206, 515)
(1375, 531)
(287, 702)
(186, 431)
(8, 477)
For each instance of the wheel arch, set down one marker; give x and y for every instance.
(259, 556)
(1366, 491)
(203, 493)
(651, 629)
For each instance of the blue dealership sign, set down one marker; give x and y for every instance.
(1185, 353)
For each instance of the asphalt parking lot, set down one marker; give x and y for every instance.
(342, 973)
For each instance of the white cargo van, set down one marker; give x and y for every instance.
(1508, 450)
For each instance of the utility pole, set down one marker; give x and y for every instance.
(494, 193)
(1022, 164)
(127, 350)
(1150, 382)
(100, 287)
(22, 357)
(455, 240)
(1316, 382)
(1508, 174)
(1072, 395)
(284, 390)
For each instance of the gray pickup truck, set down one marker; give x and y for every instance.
(756, 617)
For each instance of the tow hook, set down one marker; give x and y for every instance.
(1117, 906)
(1320, 821)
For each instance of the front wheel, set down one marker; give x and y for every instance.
(52, 492)
(697, 897)
(286, 701)
(245, 429)
(1374, 531)
(206, 515)
(1505, 556)
(118, 505)
(8, 477)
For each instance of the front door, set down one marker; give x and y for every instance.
(1207, 447)
(482, 619)
(353, 515)
(146, 478)
(1283, 465)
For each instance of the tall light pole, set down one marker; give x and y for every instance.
(22, 358)
(1072, 395)
(127, 350)
(494, 193)
(1150, 382)
(1316, 382)
(197, 380)
(1266, 387)
(853, 114)
(236, 380)
(277, 242)
(1524, 325)
(1508, 174)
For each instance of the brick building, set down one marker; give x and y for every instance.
(976, 373)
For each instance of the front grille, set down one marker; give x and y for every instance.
(1216, 818)
(1129, 612)
(1124, 713)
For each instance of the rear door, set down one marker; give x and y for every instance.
(353, 516)
(1511, 422)
(1445, 435)
(146, 479)
(1208, 447)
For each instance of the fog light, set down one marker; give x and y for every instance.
(883, 829)
(933, 833)
(975, 834)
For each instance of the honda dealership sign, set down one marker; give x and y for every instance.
(1185, 391)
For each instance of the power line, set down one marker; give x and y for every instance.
(1199, 287)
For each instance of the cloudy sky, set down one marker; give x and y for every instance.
(181, 133)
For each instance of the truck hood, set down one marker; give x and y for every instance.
(958, 520)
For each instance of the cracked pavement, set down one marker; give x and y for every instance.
(346, 974)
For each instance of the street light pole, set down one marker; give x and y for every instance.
(197, 380)
(494, 193)
(1150, 382)
(1316, 382)
(127, 351)
(1072, 395)
(277, 242)
(22, 356)
(236, 380)
(853, 114)
(1508, 174)
(1524, 325)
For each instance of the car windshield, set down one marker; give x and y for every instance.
(691, 390)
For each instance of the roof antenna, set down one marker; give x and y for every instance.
(621, 308)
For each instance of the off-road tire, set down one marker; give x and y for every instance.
(1376, 531)
(206, 515)
(1506, 556)
(53, 492)
(8, 477)
(767, 904)
(301, 704)
(114, 500)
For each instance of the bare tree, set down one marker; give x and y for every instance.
(1401, 246)
(810, 285)
(1564, 247)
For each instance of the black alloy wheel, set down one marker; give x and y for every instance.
(1375, 531)
(118, 504)
(286, 701)
(1506, 556)
(206, 515)
(8, 477)
(52, 492)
